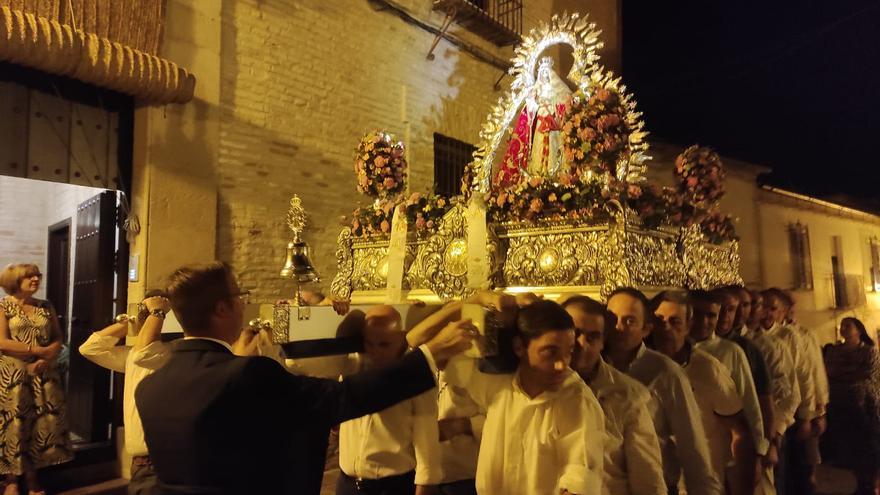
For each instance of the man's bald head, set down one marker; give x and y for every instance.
(384, 338)
(384, 316)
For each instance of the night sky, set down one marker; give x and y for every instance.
(794, 85)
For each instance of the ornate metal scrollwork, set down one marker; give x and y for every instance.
(545, 259)
(340, 287)
(281, 322)
(441, 261)
(708, 265)
(653, 260)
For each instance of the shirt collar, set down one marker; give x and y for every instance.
(603, 377)
(221, 342)
(711, 339)
(546, 395)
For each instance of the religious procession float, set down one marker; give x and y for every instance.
(555, 201)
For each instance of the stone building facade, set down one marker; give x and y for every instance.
(285, 90)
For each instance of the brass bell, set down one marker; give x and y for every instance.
(297, 265)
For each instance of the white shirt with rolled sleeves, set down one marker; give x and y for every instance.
(632, 451)
(734, 359)
(394, 441)
(104, 351)
(717, 397)
(800, 353)
(677, 421)
(817, 365)
(534, 445)
(460, 453)
(784, 388)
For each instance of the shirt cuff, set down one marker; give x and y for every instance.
(430, 359)
(762, 446)
(580, 480)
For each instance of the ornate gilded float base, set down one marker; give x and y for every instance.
(544, 258)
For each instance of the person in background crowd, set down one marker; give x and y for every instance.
(736, 305)
(544, 428)
(784, 394)
(773, 314)
(461, 422)
(674, 408)
(632, 450)
(730, 444)
(33, 410)
(193, 408)
(707, 308)
(101, 348)
(753, 320)
(396, 450)
(805, 455)
(853, 437)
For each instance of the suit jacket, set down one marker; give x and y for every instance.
(221, 424)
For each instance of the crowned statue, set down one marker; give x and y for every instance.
(535, 144)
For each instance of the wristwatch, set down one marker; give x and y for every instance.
(158, 313)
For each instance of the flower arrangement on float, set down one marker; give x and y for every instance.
(423, 211)
(596, 131)
(380, 165)
(594, 142)
(700, 176)
(539, 198)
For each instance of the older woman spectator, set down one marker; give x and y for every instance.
(853, 437)
(33, 413)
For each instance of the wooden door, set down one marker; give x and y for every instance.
(93, 305)
(58, 271)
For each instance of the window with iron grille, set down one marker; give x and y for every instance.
(874, 244)
(450, 158)
(799, 244)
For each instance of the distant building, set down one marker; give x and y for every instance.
(825, 253)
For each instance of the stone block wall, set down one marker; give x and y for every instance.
(302, 81)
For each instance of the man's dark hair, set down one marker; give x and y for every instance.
(592, 307)
(777, 294)
(704, 296)
(676, 297)
(634, 293)
(540, 317)
(195, 290)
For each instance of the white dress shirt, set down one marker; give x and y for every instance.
(677, 420)
(798, 347)
(534, 445)
(734, 359)
(817, 365)
(632, 451)
(784, 388)
(460, 453)
(103, 351)
(717, 397)
(394, 441)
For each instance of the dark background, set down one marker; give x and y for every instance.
(792, 85)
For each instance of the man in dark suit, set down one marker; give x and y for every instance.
(222, 424)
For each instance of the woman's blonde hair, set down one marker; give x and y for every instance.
(13, 274)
